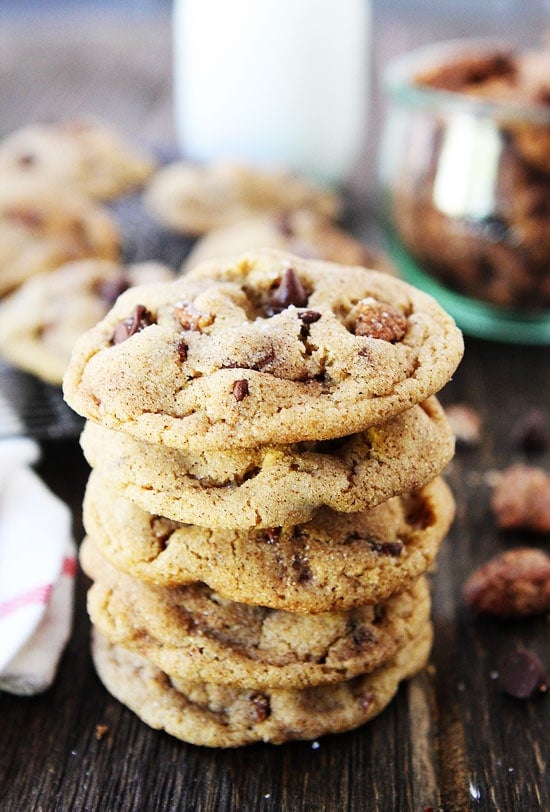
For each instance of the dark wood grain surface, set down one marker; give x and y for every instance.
(451, 739)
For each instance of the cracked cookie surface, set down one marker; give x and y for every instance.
(336, 561)
(265, 348)
(275, 485)
(192, 633)
(220, 716)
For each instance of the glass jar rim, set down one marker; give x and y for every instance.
(398, 78)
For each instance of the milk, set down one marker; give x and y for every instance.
(276, 83)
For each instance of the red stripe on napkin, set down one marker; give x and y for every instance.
(41, 594)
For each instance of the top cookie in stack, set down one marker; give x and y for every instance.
(267, 348)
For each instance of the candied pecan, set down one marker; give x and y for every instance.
(192, 319)
(290, 292)
(378, 320)
(138, 321)
(521, 499)
(240, 389)
(513, 584)
(465, 423)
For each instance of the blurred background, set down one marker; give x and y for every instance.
(113, 58)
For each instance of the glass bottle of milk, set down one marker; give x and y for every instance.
(273, 83)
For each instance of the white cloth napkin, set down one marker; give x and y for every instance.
(37, 568)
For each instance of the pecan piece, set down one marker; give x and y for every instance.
(521, 499)
(138, 321)
(376, 319)
(192, 319)
(513, 584)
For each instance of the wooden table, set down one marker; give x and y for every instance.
(451, 739)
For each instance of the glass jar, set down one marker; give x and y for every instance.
(274, 83)
(465, 174)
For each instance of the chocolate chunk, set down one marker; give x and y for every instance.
(309, 316)
(290, 292)
(182, 349)
(29, 218)
(393, 548)
(138, 321)
(273, 534)
(531, 432)
(27, 159)
(240, 389)
(260, 706)
(110, 289)
(522, 675)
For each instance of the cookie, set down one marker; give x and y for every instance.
(337, 561)
(221, 716)
(271, 486)
(41, 320)
(197, 198)
(86, 155)
(264, 348)
(193, 634)
(43, 226)
(301, 232)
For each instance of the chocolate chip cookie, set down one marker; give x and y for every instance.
(85, 154)
(197, 198)
(264, 348)
(336, 561)
(275, 485)
(221, 716)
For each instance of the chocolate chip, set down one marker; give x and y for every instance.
(138, 321)
(365, 701)
(522, 675)
(531, 432)
(273, 534)
(240, 389)
(260, 706)
(393, 548)
(29, 218)
(27, 159)
(110, 289)
(182, 349)
(290, 292)
(309, 316)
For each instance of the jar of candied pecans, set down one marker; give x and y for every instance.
(465, 174)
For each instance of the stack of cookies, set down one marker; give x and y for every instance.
(265, 496)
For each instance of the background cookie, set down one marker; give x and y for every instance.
(336, 561)
(271, 486)
(41, 320)
(86, 155)
(217, 716)
(264, 348)
(195, 199)
(43, 225)
(301, 232)
(193, 634)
